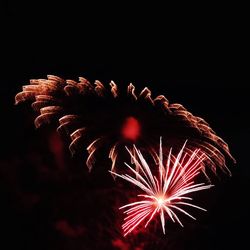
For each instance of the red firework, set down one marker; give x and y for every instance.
(166, 193)
(94, 117)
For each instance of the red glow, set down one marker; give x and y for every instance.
(65, 228)
(131, 129)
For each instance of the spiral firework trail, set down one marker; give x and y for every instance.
(99, 119)
(166, 193)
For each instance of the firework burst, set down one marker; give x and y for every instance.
(166, 192)
(97, 118)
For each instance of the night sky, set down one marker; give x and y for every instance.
(48, 199)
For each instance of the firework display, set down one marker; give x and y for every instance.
(95, 118)
(109, 126)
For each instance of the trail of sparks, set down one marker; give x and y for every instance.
(166, 193)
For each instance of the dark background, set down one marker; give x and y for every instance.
(197, 58)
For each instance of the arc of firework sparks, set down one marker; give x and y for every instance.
(64, 102)
(164, 194)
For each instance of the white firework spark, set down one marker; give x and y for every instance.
(166, 193)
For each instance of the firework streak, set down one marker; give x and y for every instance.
(166, 193)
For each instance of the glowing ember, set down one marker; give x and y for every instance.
(131, 129)
(166, 193)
